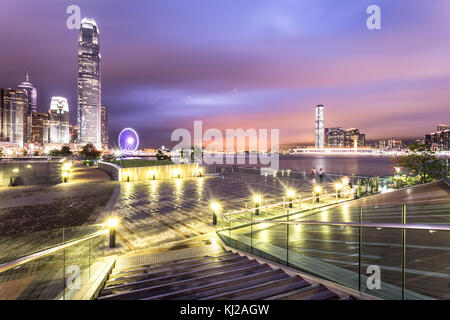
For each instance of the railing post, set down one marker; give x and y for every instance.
(64, 265)
(251, 232)
(287, 241)
(360, 248)
(403, 252)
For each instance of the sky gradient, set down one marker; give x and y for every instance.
(242, 64)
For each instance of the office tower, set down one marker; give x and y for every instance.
(439, 140)
(334, 137)
(104, 127)
(59, 120)
(40, 127)
(89, 85)
(320, 132)
(354, 138)
(32, 103)
(394, 144)
(442, 127)
(13, 106)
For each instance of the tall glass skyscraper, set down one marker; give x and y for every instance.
(32, 105)
(89, 85)
(13, 115)
(319, 126)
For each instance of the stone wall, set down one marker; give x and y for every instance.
(22, 173)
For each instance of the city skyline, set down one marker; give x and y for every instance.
(159, 79)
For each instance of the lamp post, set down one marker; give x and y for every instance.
(257, 199)
(112, 225)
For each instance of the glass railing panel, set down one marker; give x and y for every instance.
(428, 264)
(329, 252)
(381, 262)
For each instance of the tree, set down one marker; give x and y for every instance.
(1, 152)
(421, 163)
(65, 151)
(89, 152)
(54, 153)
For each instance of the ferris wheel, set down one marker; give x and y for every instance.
(128, 140)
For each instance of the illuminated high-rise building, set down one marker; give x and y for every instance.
(13, 116)
(32, 104)
(320, 129)
(335, 137)
(104, 127)
(40, 127)
(89, 85)
(59, 120)
(32, 94)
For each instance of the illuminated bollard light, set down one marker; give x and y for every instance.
(215, 206)
(290, 197)
(316, 194)
(339, 188)
(257, 199)
(112, 226)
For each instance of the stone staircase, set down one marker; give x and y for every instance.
(219, 276)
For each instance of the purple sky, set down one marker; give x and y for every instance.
(247, 64)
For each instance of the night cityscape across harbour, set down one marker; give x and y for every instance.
(239, 152)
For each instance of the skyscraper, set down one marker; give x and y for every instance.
(89, 85)
(59, 120)
(32, 105)
(13, 116)
(335, 137)
(40, 127)
(32, 94)
(320, 130)
(104, 127)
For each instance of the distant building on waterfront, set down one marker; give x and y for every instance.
(89, 85)
(439, 140)
(319, 127)
(104, 127)
(40, 127)
(14, 116)
(59, 120)
(334, 137)
(353, 138)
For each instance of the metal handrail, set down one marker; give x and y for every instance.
(15, 263)
(226, 214)
(409, 226)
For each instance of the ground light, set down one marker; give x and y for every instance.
(65, 176)
(200, 172)
(112, 224)
(215, 206)
(290, 195)
(257, 199)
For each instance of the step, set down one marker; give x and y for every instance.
(241, 293)
(238, 281)
(153, 289)
(191, 274)
(173, 271)
(324, 295)
(156, 266)
(290, 295)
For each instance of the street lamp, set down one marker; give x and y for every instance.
(257, 199)
(112, 225)
(290, 195)
(215, 206)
